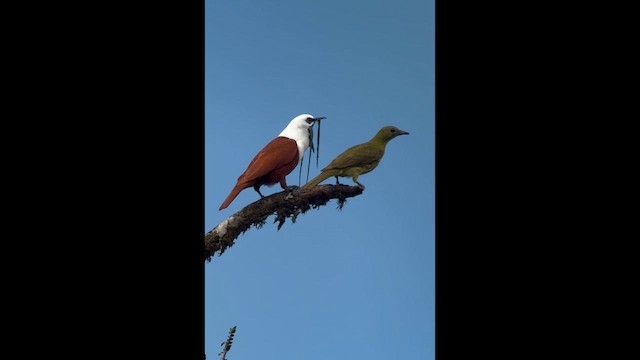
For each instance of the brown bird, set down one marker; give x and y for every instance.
(276, 160)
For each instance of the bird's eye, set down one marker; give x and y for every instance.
(309, 120)
(393, 130)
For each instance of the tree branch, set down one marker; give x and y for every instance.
(226, 345)
(288, 203)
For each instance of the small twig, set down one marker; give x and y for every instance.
(226, 345)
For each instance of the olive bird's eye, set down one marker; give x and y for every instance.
(393, 130)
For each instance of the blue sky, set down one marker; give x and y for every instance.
(350, 284)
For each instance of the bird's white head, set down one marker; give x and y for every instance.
(300, 129)
(303, 121)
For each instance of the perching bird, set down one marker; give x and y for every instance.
(276, 160)
(359, 159)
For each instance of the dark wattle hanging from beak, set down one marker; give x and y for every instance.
(318, 151)
(311, 149)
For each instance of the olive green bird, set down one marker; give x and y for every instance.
(359, 159)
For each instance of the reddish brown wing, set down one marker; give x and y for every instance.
(279, 152)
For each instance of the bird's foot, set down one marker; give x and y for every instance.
(360, 185)
(293, 189)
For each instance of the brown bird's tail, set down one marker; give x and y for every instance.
(232, 195)
(320, 178)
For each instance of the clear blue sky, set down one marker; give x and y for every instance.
(350, 284)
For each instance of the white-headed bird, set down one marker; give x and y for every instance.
(276, 160)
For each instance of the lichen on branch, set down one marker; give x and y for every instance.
(285, 204)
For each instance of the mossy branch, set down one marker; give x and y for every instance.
(285, 204)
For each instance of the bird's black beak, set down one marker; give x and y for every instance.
(319, 118)
(402, 132)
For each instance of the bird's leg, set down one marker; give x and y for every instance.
(283, 185)
(355, 180)
(337, 181)
(257, 188)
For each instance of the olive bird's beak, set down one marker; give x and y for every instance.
(402, 132)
